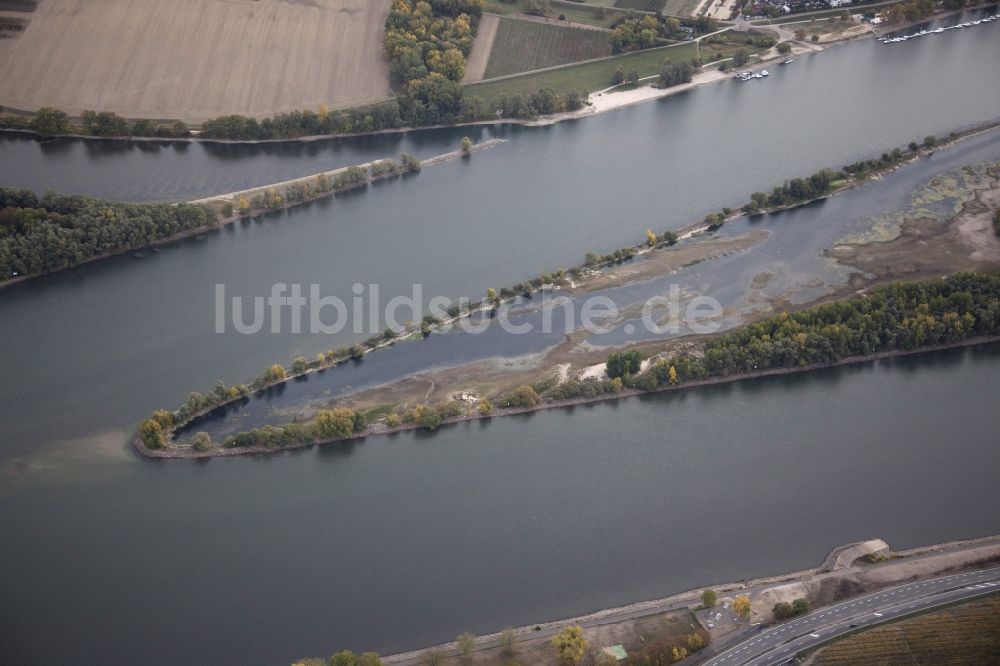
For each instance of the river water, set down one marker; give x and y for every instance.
(395, 543)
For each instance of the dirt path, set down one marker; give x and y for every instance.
(475, 66)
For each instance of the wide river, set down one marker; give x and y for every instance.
(396, 543)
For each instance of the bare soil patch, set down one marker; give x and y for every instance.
(196, 59)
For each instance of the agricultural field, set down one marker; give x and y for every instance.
(589, 76)
(572, 12)
(967, 634)
(641, 5)
(593, 76)
(522, 46)
(195, 59)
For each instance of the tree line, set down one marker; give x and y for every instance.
(42, 234)
(48, 121)
(632, 32)
(904, 316)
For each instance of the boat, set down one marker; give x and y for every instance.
(788, 62)
(764, 72)
(939, 31)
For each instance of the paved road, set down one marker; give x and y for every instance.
(780, 643)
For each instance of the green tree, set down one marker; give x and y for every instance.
(782, 610)
(800, 606)
(410, 163)
(741, 57)
(300, 364)
(784, 48)
(623, 363)
(570, 644)
(201, 441)
(466, 146)
(522, 396)
(50, 121)
(430, 418)
(227, 209)
(344, 658)
(485, 407)
(707, 598)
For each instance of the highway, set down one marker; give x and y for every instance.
(780, 643)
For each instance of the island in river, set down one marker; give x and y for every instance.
(920, 243)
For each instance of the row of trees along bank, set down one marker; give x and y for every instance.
(897, 317)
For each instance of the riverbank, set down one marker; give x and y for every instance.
(493, 378)
(380, 429)
(307, 186)
(859, 568)
(601, 102)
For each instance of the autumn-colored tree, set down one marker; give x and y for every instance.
(335, 423)
(152, 434)
(466, 145)
(369, 659)
(672, 375)
(492, 297)
(695, 642)
(679, 653)
(243, 205)
(741, 606)
(324, 112)
(651, 238)
(164, 418)
(570, 644)
(485, 407)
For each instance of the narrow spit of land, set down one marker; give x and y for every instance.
(224, 210)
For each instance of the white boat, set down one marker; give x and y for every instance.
(764, 72)
(788, 62)
(939, 31)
